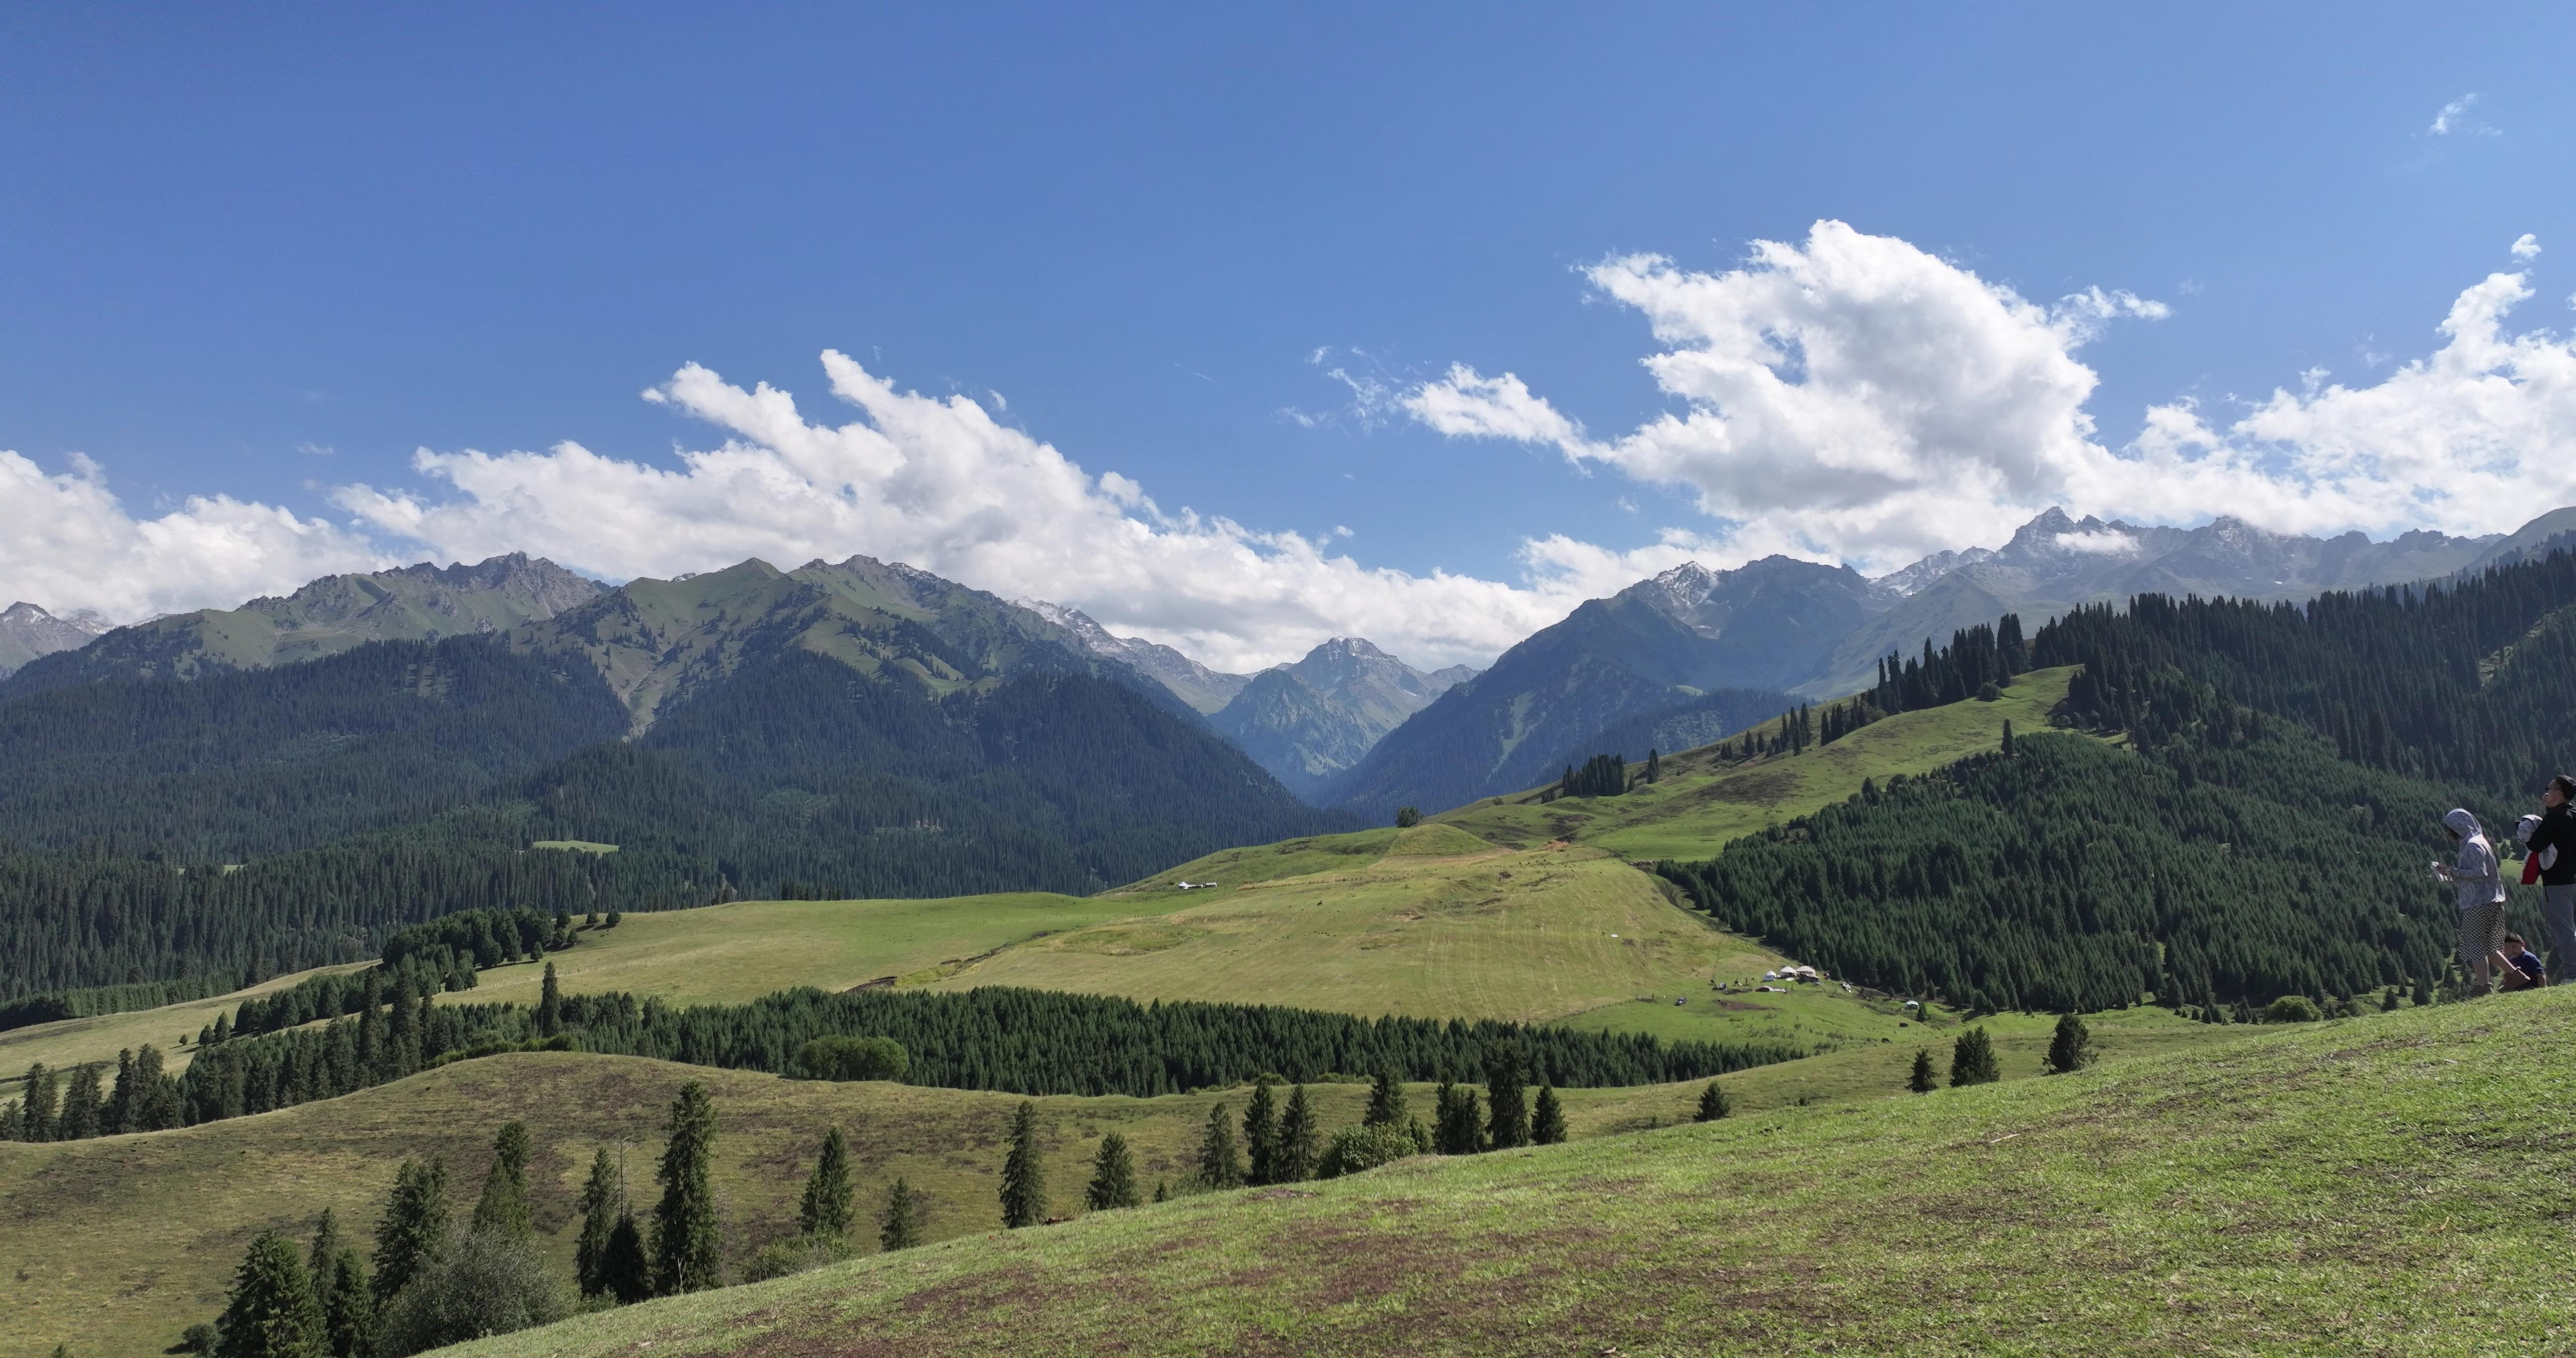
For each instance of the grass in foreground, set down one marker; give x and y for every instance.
(117, 1244)
(2392, 1184)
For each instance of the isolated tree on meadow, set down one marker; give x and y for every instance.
(1261, 1134)
(603, 1200)
(1300, 1139)
(1507, 1095)
(899, 1226)
(271, 1311)
(1713, 1104)
(1024, 1172)
(1922, 1081)
(1972, 1059)
(1406, 817)
(1113, 1177)
(688, 1243)
(2071, 1047)
(825, 1211)
(413, 1227)
(1386, 1101)
(1547, 1118)
(504, 1204)
(550, 1005)
(1220, 1165)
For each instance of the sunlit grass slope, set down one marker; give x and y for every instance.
(1700, 803)
(2391, 1184)
(117, 1244)
(73, 1041)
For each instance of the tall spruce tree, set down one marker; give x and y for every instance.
(349, 1318)
(550, 1005)
(504, 1204)
(625, 1272)
(1922, 1081)
(36, 1105)
(825, 1211)
(323, 1254)
(13, 1124)
(1460, 1130)
(271, 1311)
(900, 1225)
(1300, 1139)
(1113, 1177)
(82, 1104)
(1547, 1118)
(603, 1201)
(1713, 1104)
(1220, 1164)
(688, 1244)
(2070, 1048)
(413, 1228)
(1972, 1059)
(1261, 1135)
(1024, 1171)
(1386, 1101)
(1507, 1095)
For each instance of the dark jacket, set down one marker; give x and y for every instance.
(2557, 828)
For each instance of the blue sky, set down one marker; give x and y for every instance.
(238, 236)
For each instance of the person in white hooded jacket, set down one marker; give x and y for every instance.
(2479, 880)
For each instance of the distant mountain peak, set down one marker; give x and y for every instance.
(1204, 689)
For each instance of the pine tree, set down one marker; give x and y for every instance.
(504, 1204)
(272, 1312)
(1024, 1172)
(1220, 1165)
(1261, 1135)
(688, 1245)
(1459, 1131)
(78, 1120)
(2008, 738)
(1300, 1139)
(550, 1005)
(825, 1211)
(1386, 1101)
(13, 1124)
(1654, 765)
(1713, 1103)
(349, 1319)
(323, 1255)
(1507, 1095)
(36, 1107)
(413, 1228)
(603, 1198)
(1113, 1176)
(1972, 1059)
(899, 1227)
(624, 1271)
(2071, 1048)
(1547, 1118)
(1922, 1081)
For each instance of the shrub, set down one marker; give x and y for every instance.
(2292, 1009)
(1367, 1148)
(482, 1283)
(1407, 817)
(795, 1254)
(853, 1058)
(1989, 693)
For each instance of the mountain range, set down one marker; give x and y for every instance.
(27, 632)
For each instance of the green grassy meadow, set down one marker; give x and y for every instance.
(1700, 803)
(2389, 1184)
(120, 1242)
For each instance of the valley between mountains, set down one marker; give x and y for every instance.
(380, 870)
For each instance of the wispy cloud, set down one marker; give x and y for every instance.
(2457, 116)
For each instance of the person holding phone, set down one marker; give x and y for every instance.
(2552, 845)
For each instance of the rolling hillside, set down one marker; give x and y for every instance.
(2336, 1188)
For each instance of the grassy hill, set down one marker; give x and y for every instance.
(116, 1244)
(2386, 1184)
(1702, 802)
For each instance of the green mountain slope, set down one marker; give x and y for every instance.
(1308, 721)
(328, 616)
(2368, 1185)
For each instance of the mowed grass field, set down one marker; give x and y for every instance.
(2391, 1184)
(1700, 803)
(114, 1245)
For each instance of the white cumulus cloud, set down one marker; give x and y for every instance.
(67, 543)
(1853, 397)
(940, 484)
(2526, 246)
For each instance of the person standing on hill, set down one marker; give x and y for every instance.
(2553, 848)
(2480, 884)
